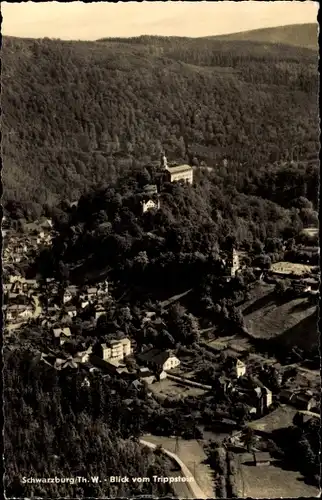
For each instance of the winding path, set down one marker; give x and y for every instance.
(192, 485)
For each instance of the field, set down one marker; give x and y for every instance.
(272, 482)
(284, 267)
(265, 318)
(232, 342)
(278, 419)
(170, 389)
(311, 231)
(192, 454)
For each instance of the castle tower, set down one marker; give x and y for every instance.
(164, 161)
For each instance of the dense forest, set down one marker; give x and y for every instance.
(57, 426)
(79, 114)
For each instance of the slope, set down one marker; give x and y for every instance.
(78, 113)
(291, 323)
(299, 35)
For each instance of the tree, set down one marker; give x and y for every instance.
(249, 439)
(281, 287)
(302, 203)
(262, 261)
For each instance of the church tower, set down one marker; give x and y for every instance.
(233, 262)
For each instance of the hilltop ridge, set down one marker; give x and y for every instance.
(299, 35)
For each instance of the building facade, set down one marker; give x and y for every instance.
(177, 173)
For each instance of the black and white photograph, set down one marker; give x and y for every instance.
(160, 249)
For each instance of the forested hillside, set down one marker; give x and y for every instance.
(77, 114)
(54, 423)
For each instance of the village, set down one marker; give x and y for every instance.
(247, 386)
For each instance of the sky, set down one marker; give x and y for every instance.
(79, 21)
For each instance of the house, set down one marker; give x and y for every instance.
(159, 360)
(264, 399)
(115, 349)
(150, 204)
(67, 296)
(11, 312)
(99, 312)
(62, 334)
(102, 288)
(150, 189)
(71, 311)
(126, 343)
(265, 396)
(65, 363)
(240, 368)
(25, 311)
(52, 311)
(111, 365)
(31, 284)
(91, 293)
(7, 287)
(105, 351)
(83, 356)
(73, 290)
(146, 375)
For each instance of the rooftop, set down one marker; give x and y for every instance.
(155, 356)
(179, 168)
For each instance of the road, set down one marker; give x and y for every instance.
(193, 486)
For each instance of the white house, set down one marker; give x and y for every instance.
(67, 296)
(116, 349)
(150, 205)
(158, 359)
(62, 334)
(240, 368)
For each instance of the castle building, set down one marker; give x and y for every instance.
(177, 173)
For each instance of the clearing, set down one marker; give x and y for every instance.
(170, 389)
(271, 481)
(290, 267)
(265, 318)
(278, 419)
